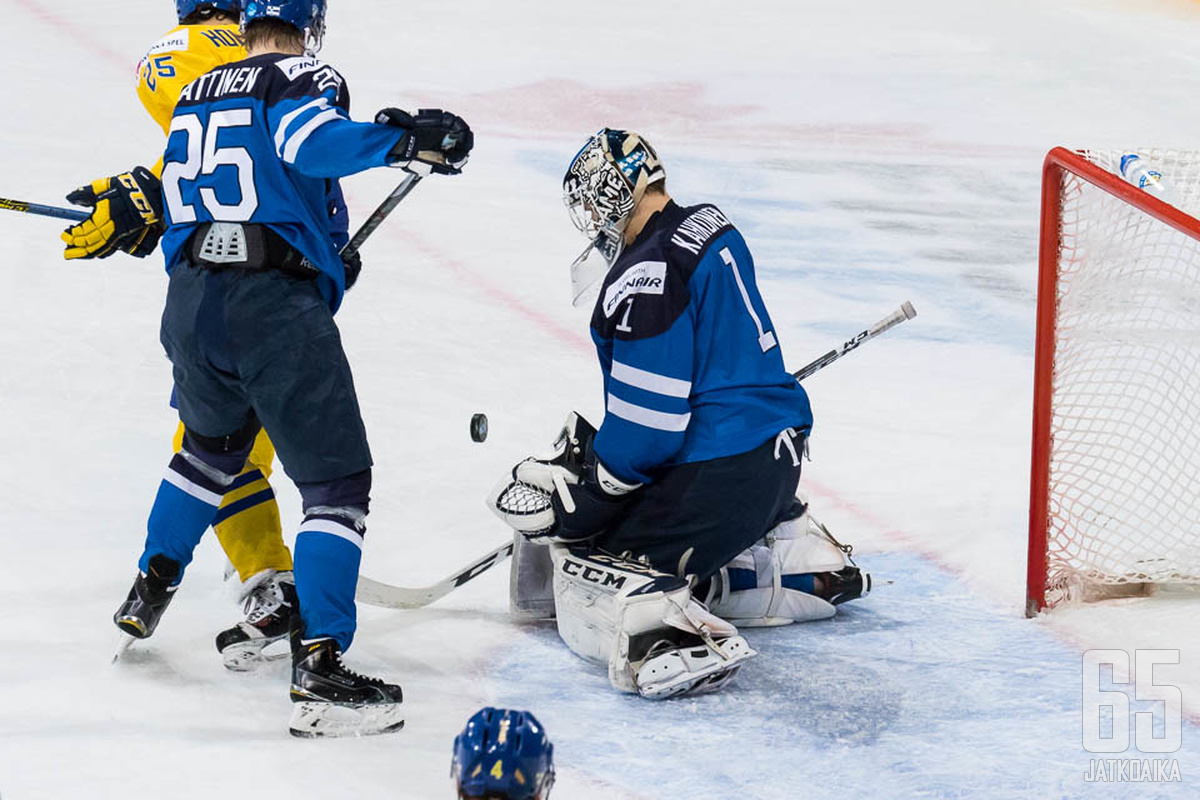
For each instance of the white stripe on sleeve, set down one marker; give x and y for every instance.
(650, 381)
(301, 136)
(647, 417)
(290, 117)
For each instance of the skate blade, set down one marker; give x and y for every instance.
(133, 626)
(250, 656)
(122, 646)
(332, 720)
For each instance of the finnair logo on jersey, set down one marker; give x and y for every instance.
(325, 76)
(648, 277)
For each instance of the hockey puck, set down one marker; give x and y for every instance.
(479, 427)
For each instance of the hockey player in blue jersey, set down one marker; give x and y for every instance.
(248, 325)
(687, 491)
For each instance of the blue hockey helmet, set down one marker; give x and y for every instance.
(503, 754)
(188, 7)
(307, 15)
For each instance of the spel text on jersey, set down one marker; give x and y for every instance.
(220, 82)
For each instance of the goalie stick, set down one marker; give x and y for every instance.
(902, 314)
(384, 595)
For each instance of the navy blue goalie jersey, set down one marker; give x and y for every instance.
(692, 366)
(257, 141)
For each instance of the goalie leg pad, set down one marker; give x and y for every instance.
(531, 580)
(771, 583)
(643, 624)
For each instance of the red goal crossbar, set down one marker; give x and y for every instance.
(1058, 162)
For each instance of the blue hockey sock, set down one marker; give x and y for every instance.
(802, 583)
(186, 504)
(741, 580)
(328, 553)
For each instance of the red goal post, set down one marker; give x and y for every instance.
(1118, 270)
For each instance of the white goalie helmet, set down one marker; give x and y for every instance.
(605, 182)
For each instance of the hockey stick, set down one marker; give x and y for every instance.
(902, 314)
(44, 211)
(384, 595)
(416, 169)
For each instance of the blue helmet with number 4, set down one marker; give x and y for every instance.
(187, 8)
(503, 754)
(307, 15)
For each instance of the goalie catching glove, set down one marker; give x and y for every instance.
(127, 215)
(569, 496)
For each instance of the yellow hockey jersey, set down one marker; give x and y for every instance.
(180, 57)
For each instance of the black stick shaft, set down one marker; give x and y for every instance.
(380, 214)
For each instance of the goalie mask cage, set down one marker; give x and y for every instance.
(1115, 484)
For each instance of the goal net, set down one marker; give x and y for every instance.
(1115, 497)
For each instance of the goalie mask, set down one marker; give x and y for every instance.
(602, 187)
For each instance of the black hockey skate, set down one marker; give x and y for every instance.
(331, 700)
(849, 583)
(262, 635)
(152, 592)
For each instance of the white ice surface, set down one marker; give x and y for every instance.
(872, 152)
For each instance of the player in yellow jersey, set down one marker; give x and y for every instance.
(126, 216)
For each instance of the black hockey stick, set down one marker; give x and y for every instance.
(416, 169)
(384, 595)
(902, 314)
(44, 211)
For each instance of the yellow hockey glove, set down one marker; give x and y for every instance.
(127, 215)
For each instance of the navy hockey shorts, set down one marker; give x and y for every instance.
(698, 516)
(262, 343)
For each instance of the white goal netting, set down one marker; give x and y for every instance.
(1124, 502)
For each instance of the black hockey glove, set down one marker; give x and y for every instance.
(569, 497)
(353, 265)
(127, 215)
(430, 131)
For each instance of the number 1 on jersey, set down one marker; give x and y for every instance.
(766, 339)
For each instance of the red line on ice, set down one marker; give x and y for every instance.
(80, 37)
(499, 294)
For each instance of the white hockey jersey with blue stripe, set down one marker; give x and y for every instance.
(692, 366)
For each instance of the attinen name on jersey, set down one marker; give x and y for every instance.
(220, 82)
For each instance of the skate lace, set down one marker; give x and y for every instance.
(263, 601)
(337, 654)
